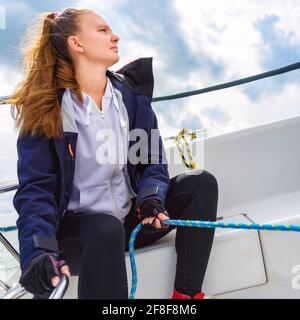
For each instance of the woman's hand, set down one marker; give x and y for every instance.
(150, 213)
(43, 273)
(65, 270)
(156, 223)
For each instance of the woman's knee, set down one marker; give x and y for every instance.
(204, 181)
(108, 228)
(205, 188)
(211, 182)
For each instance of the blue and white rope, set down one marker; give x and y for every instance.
(201, 224)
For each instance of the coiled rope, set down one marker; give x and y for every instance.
(181, 135)
(200, 224)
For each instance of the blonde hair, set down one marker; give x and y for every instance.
(48, 66)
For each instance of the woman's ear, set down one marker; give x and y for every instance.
(75, 44)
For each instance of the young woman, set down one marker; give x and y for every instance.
(77, 211)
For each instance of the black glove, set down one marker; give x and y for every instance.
(151, 208)
(36, 278)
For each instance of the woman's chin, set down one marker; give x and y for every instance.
(117, 58)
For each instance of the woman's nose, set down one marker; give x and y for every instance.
(116, 38)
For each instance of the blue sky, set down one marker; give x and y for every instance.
(194, 44)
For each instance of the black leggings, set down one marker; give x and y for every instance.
(94, 245)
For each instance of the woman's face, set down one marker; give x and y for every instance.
(96, 40)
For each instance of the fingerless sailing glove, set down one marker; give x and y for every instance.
(37, 274)
(151, 208)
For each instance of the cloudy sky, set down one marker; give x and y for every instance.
(194, 44)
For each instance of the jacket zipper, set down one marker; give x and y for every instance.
(114, 158)
(134, 194)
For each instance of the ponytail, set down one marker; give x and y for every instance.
(48, 68)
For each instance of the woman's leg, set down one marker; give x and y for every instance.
(190, 197)
(193, 245)
(93, 247)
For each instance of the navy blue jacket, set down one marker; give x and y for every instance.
(46, 168)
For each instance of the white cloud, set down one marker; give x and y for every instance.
(8, 134)
(241, 111)
(288, 24)
(8, 79)
(8, 137)
(226, 32)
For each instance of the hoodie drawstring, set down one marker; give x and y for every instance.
(88, 111)
(89, 108)
(122, 121)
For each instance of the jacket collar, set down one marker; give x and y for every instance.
(68, 117)
(136, 76)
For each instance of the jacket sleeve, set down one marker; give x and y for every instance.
(35, 200)
(153, 181)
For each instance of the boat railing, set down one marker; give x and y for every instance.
(17, 291)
